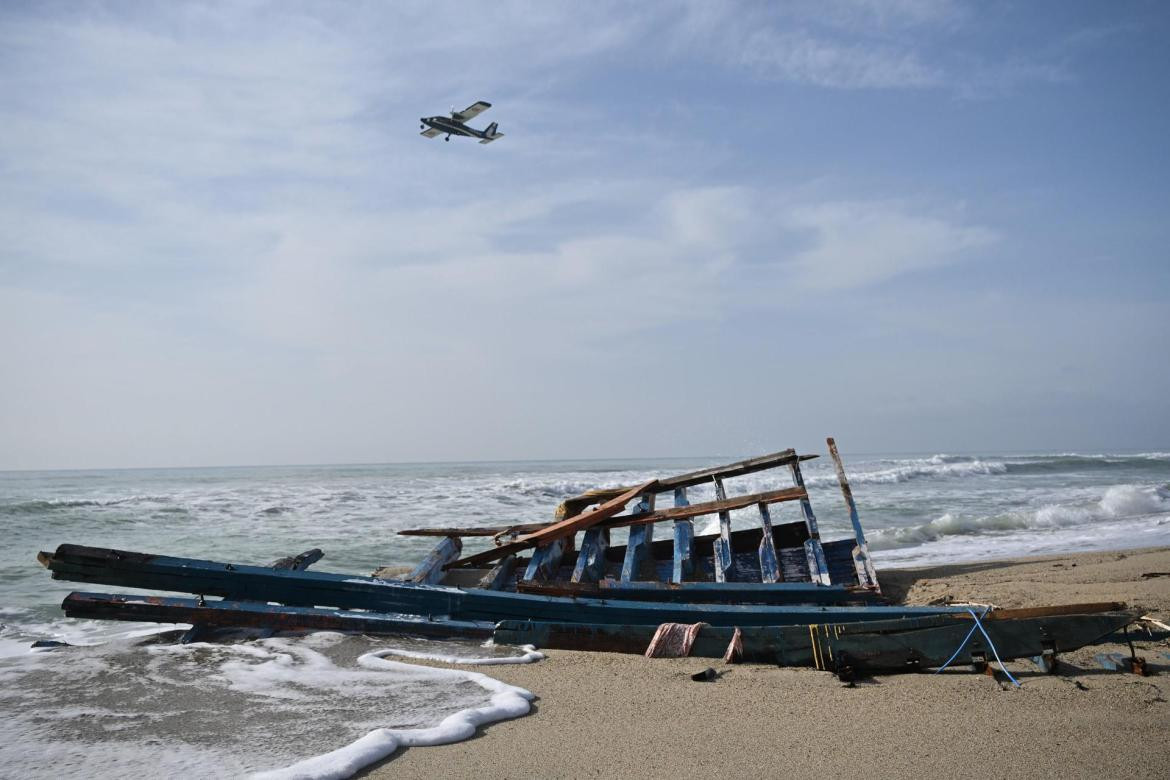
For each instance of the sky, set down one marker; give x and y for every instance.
(710, 228)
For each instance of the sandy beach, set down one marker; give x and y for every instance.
(603, 715)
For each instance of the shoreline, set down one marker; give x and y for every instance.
(609, 715)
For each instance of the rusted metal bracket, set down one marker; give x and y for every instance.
(1047, 660)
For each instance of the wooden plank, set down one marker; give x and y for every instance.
(638, 546)
(523, 528)
(591, 559)
(199, 631)
(637, 550)
(571, 506)
(722, 556)
(818, 568)
(564, 528)
(719, 506)
(707, 592)
(261, 615)
(546, 558)
(684, 541)
(866, 575)
(769, 562)
(430, 569)
(498, 576)
(1064, 609)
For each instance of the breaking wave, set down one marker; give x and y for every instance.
(1120, 502)
(937, 466)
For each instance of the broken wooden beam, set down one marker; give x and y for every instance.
(496, 530)
(863, 566)
(708, 507)
(560, 530)
(430, 569)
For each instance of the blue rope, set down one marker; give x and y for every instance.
(979, 626)
(962, 644)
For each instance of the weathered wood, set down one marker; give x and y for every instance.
(885, 646)
(722, 557)
(1064, 609)
(261, 615)
(564, 528)
(199, 631)
(571, 506)
(818, 568)
(720, 506)
(638, 546)
(684, 538)
(430, 569)
(769, 562)
(707, 592)
(866, 575)
(499, 574)
(546, 558)
(495, 530)
(590, 564)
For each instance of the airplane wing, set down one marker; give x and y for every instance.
(492, 138)
(471, 112)
(431, 132)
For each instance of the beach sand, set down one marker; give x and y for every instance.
(608, 715)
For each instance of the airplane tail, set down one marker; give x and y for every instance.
(490, 134)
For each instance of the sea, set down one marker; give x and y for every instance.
(123, 698)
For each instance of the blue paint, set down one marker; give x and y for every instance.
(307, 588)
(817, 567)
(430, 569)
(684, 539)
(637, 550)
(769, 563)
(591, 560)
(722, 547)
(545, 560)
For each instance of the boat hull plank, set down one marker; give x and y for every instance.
(311, 588)
(884, 646)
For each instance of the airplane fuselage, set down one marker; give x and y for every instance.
(452, 126)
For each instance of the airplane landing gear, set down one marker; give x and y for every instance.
(448, 138)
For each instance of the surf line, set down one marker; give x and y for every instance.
(507, 702)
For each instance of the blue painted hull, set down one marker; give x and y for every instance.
(308, 589)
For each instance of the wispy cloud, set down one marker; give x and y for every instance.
(856, 243)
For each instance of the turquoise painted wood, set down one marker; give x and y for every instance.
(590, 564)
(818, 568)
(545, 560)
(684, 541)
(311, 588)
(769, 561)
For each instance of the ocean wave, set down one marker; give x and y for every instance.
(1072, 461)
(937, 466)
(54, 504)
(1119, 502)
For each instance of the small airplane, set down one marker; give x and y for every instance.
(435, 126)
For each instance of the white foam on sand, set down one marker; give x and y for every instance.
(507, 701)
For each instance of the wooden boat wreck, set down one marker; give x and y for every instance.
(778, 591)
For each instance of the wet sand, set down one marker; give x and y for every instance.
(608, 715)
